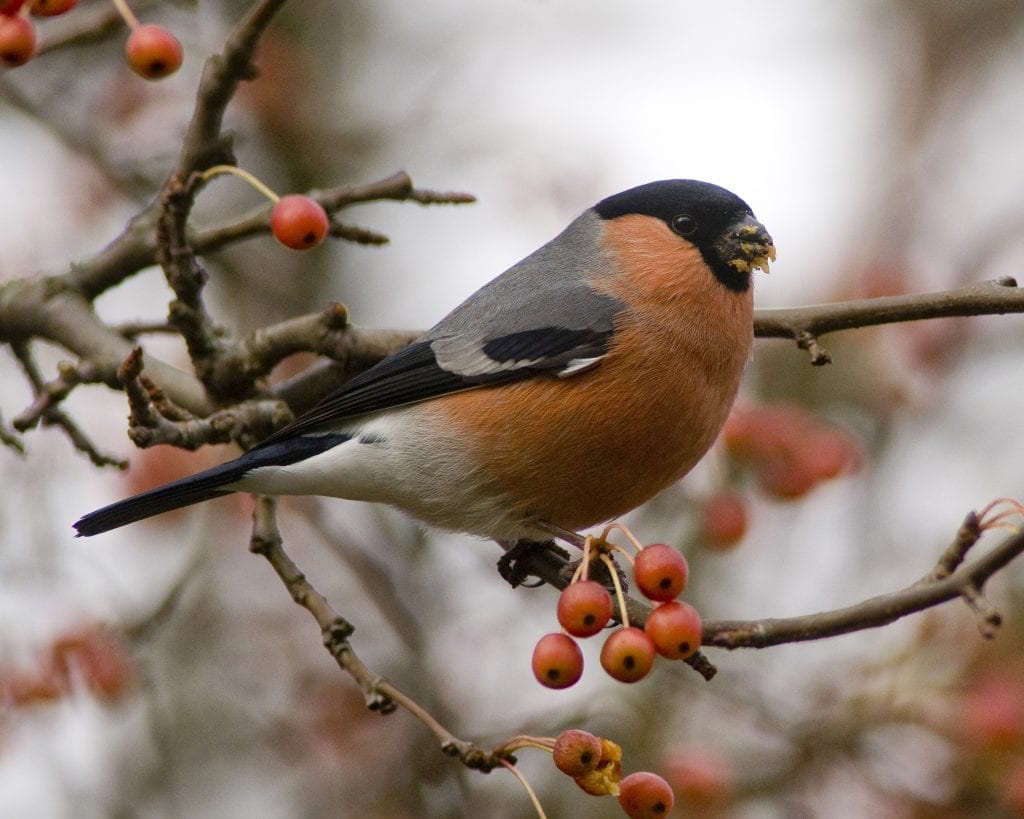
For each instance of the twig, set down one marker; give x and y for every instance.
(9, 439)
(154, 419)
(257, 354)
(51, 393)
(966, 536)
(380, 695)
(966, 582)
(805, 324)
(204, 144)
(52, 415)
(186, 277)
(397, 187)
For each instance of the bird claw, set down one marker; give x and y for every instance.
(513, 566)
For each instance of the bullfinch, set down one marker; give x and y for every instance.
(567, 391)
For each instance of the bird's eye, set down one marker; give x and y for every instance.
(684, 224)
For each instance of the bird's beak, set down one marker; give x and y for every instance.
(747, 246)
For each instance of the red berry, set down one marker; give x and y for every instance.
(51, 8)
(831, 453)
(17, 41)
(152, 51)
(723, 519)
(661, 572)
(584, 608)
(644, 795)
(557, 661)
(10, 6)
(785, 477)
(675, 630)
(627, 655)
(298, 222)
(576, 752)
(789, 450)
(702, 779)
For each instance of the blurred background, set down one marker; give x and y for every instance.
(162, 670)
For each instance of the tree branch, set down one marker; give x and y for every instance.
(966, 583)
(805, 324)
(380, 694)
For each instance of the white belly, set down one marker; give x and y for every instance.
(391, 460)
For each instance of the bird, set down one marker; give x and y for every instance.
(562, 394)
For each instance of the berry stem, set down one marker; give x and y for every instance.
(613, 570)
(999, 520)
(624, 552)
(612, 527)
(533, 796)
(524, 741)
(126, 12)
(584, 567)
(217, 170)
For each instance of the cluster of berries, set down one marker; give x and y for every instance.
(151, 50)
(786, 451)
(595, 765)
(672, 629)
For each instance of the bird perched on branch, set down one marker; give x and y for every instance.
(567, 391)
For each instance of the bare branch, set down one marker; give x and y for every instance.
(397, 187)
(805, 324)
(52, 415)
(51, 393)
(204, 144)
(155, 419)
(380, 695)
(966, 582)
(9, 439)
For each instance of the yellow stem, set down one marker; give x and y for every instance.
(611, 527)
(614, 572)
(529, 790)
(126, 13)
(525, 741)
(217, 170)
(582, 571)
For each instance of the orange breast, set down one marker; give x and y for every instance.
(588, 448)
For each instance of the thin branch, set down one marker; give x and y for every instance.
(10, 439)
(256, 222)
(52, 414)
(805, 324)
(155, 419)
(186, 276)
(90, 23)
(257, 354)
(204, 145)
(352, 352)
(379, 693)
(965, 583)
(50, 393)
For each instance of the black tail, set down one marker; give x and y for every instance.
(206, 484)
(193, 489)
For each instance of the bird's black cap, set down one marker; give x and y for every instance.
(702, 213)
